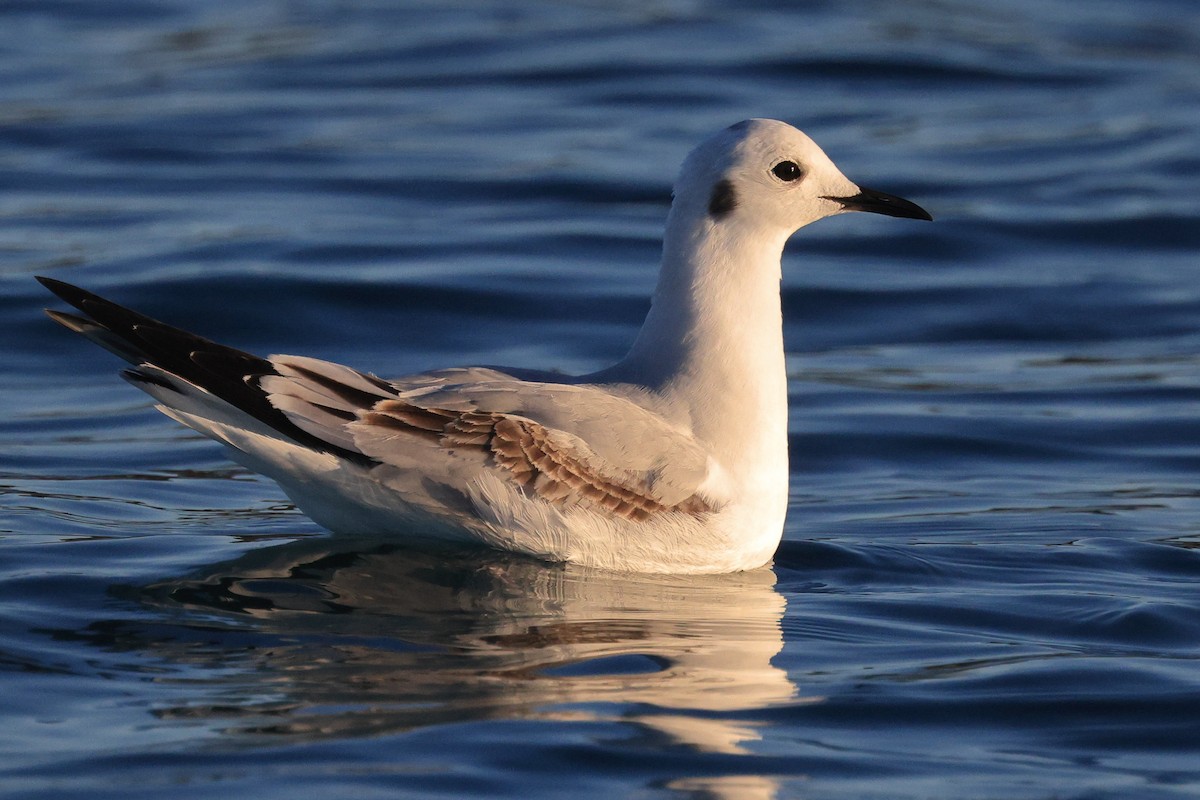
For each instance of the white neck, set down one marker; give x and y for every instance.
(712, 344)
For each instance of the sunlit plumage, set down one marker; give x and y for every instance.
(672, 460)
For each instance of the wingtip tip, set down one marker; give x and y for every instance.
(57, 287)
(69, 321)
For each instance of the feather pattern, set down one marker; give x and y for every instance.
(383, 421)
(551, 465)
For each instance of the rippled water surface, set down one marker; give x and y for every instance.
(988, 582)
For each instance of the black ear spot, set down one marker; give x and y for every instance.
(723, 199)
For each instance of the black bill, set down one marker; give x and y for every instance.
(882, 203)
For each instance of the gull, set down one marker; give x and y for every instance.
(673, 460)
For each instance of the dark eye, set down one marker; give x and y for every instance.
(787, 171)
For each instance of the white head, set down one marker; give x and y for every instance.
(716, 310)
(769, 175)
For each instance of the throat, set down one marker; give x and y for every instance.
(712, 344)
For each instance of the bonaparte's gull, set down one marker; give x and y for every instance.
(673, 460)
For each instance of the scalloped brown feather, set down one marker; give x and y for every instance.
(540, 463)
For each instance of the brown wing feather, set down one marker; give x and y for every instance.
(545, 464)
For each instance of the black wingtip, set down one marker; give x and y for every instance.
(67, 292)
(71, 321)
(50, 283)
(223, 371)
(136, 377)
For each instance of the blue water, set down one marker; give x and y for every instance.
(988, 586)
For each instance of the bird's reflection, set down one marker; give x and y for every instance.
(318, 639)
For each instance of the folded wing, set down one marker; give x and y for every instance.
(567, 444)
(561, 443)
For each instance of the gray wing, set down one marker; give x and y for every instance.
(570, 445)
